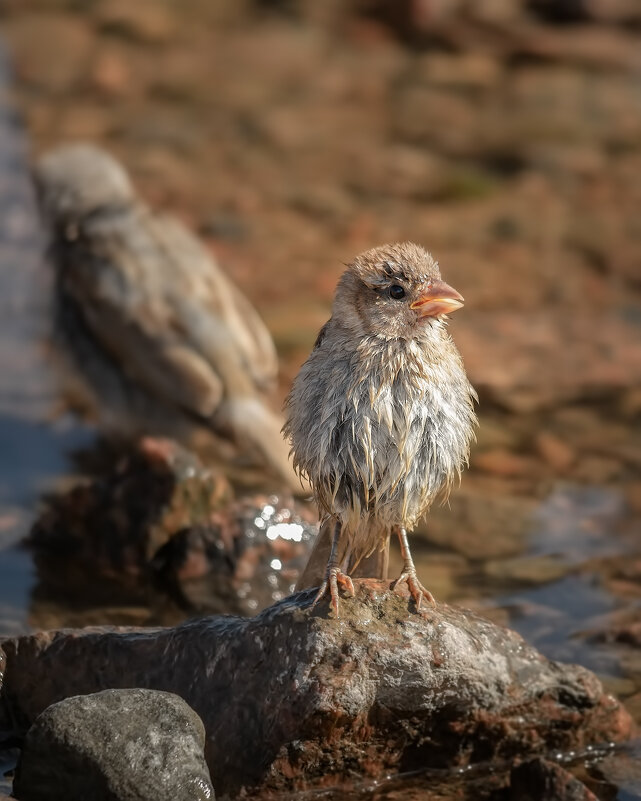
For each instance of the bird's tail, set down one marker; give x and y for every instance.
(254, 425)
(372, 566)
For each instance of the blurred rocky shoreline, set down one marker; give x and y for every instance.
(505, 142)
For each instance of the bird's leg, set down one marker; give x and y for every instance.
(334, 575)
(417, 590)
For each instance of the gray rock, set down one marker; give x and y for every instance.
(542, 780)
(115, 745)
(293, 699)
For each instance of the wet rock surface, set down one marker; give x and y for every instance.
(541, 780)
(159, 524)
(115, 745)
(622, 771)
(119, 520)
(292, 699)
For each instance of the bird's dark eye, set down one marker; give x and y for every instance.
(396, 292)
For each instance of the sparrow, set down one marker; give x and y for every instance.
(151, 320)
(381, 415)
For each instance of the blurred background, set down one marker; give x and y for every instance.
(504, 136)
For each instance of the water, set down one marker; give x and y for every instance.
(612, 771)
(577, 527)
(35, 458)
(34, 451)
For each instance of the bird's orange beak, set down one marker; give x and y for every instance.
(439, 299)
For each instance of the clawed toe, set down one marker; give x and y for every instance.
(333, 578)
(417, 590)
(346, 582)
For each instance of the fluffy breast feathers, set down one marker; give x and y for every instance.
(380, 427)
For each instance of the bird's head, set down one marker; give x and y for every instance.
(76, 180)
(394, 292)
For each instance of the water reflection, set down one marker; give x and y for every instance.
(611, 771)
(585, 532)
(550, 617)
(576, 526)
(190, 549)
(37, 458)
(577, 523)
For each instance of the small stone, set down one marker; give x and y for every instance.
(630, 634)
(598, 469)
(480, 521)
(504, 463)
(320, 201)
(622, 770)
(435, 118)
(559, 456)
(618, 686)
(542, 780)
(415, 19)
(633, 705)
(467, 71)
(103, 522)
(147, 21)
(225, 226)
(494, 434)
(504, 352)
(526, 570)
(620, 12)
(633, 496)
(623, 590)
(597, 47)
(608, 11)
(630, 663)
(50, 50)
(408, 172)
(630, 403)
(115, 745)
(86, 121)
(111, 74)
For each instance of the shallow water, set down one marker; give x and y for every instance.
(576, 527)
(35, 459)
(614, 772)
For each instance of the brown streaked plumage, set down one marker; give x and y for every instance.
(155, 326)
(380, 417)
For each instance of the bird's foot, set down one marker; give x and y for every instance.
(333, 578)
(417, 590)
